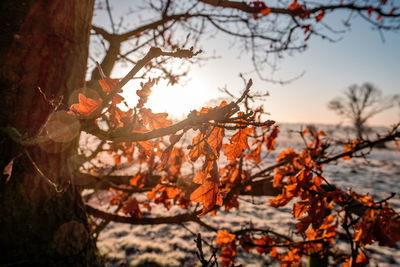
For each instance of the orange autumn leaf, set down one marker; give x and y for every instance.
(198, 147)
(270, 141)
(207, 195)
(117, 159)
(347, 262)
(320, 16)
(226, 242)
(215, 139)
(295, 6)
(228, 255)
(162, 194)
(329, 226)
(238, 144)
(255, 154)
(86, 105)
(278, 177)
(153, 193)
(362, 258)
(154, 120)
(205, 110)
(224, 237)
(299, 209)
(302, 12)
(288, 154)
(145, 92)
(165, 156)
(199, 177)
(265, 11)
(349, 147)
(117, 99)
(137, 180)
(318, 180)
(167, 152)
(108, 84)
(119, 118)
(290, 190)
(131, 207)
(279, 201)
(146, 147)
(172, 192)
(263, 248)
(291, 258)
(311, 234)
(261, 242)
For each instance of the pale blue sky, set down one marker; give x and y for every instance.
(361, 56)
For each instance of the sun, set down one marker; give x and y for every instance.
(177, 100)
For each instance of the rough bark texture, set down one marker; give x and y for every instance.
(43, 44)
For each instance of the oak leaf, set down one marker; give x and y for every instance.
(199, 177)
(108, 84)
(117, 99)
(131, 207)
(146, 146)
(318, 180)
(207, 195)
(198, 147)
(167, 152)
(154, 120)
(299, 209)
(362, 259)
(238, 144)
(215, 139)
(145, 92)
(86, 105)
(270, 141)
(224, 237)
(228, 255)
(255, 154)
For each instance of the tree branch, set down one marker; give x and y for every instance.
(177, 219)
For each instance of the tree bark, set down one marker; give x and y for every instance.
(42, 217)
(107, 64)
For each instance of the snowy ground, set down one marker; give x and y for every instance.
(173, 245)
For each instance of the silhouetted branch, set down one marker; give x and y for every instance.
(177, 219)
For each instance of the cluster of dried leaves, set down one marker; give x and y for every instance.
(223, 154)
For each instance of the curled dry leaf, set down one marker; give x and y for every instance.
(86, 105)
(224, 237)
(154, 120)
(108, 84)
(238, 144)
(198, 147)
(207, 194)
(131, 207)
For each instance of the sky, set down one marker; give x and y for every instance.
(329, 68)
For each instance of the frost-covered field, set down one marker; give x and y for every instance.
(173, 245)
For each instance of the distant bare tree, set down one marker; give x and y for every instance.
(360, 103)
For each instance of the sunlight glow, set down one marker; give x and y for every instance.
(177, 100)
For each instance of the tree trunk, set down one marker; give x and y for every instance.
(359, 126)
(42, 217)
